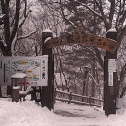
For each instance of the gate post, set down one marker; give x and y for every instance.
(110, 92)
(47, 91)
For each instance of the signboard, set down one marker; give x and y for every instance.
(5, 70)
(36, 69)
(111, 69)
(110, 79)
(111, 65)
(80, 36)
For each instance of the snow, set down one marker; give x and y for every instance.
(43, 56)
(112, 30)
(22, 92)
(16, 87)
(27, 113)
(18, 75)
(2, 16)
(47, 30)
(47, 39)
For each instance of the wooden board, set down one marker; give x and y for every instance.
(80, 36)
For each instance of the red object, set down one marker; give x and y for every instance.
(26, 83)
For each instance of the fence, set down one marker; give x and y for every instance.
(76, 98)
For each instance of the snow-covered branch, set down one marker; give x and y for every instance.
(122, 34)
(3, 48)
(91, 9)
(77, 14)
(112, 10)
(64, 17)
(26, 36)
(122, 18)
(98, 87)
(24, 18)
(15, 26)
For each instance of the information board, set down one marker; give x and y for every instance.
(36, 69)
(5, 70)
(111, 65)
(110, 79)
(111, 69)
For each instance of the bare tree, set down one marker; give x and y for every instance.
(15, 13)
(94, 16)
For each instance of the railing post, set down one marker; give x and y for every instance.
(70, 97)
(54, 96)
(90, 100)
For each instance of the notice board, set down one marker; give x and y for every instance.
(36, 69)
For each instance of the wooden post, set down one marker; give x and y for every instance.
(54, 95)
(15, 94)
(70, 97)
(84, 84)
(89, 99)
(47, 91)
(33, 94)
(110, 92)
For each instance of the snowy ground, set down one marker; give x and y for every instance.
(27, 113)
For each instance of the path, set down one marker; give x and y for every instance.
(79, 115)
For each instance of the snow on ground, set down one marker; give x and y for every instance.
(27, 113)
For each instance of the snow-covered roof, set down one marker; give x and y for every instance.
(18, 75)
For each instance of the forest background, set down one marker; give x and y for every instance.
(22, 23)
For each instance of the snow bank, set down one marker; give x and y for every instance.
(27, 113)
(23, 114)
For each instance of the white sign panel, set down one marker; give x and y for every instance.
(5, 70)
(110, 79)
(111, 65)
(36, 69)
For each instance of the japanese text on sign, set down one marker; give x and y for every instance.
(80, 36)
(111, 65)
(110, 79)
(35, 68)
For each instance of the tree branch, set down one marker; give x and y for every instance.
(71, 23)
(112, 10)
(122, 73)
(93, 11)
(23, 19)
(5, 10)
(122, 19)
(26, 36)
(15, 27)
(3, 48)
(77, 14)
(99, 4)
(98, 55)
(121, 35)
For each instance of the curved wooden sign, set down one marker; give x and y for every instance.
(80, 36)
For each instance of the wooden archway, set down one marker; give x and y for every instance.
(80, 36)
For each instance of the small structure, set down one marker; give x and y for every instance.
(119, 103)
(15, 88)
